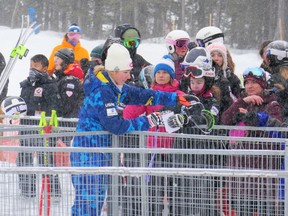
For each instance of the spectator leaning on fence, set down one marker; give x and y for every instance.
(100, 113)
(257, 107)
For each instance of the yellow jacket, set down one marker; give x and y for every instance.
(79, 53)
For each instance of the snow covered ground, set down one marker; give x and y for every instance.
(44, 42)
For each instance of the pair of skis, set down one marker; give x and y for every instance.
(19, 51)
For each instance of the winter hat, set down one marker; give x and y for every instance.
(219, 47)
(118, 58)
(74, 28)
(66, 54)
(167, 65)
(126, 31)
(97, 51)
(249, 74)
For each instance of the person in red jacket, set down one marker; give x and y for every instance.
(71, 40)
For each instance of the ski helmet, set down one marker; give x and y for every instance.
(146, 76)
(14, 105)
(208, 35)
(172, 38)
(66, 54)
(121, 29)
(277, 53)
(97, 51)
(200, 58)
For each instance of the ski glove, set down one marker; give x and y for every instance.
(155, 119)
(187, 100)
(178, 120)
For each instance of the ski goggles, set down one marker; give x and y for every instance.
(255, 71)
(131, 42)
(74, 36)
(179, 43)
(197, 72)
(280, 54)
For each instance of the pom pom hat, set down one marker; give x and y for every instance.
(167, 65)
(118, 58)
(74, 28)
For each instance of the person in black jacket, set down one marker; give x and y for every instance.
(131, 39)
(3, 94)
(69, 78)
(40, 92)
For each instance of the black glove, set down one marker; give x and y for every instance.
(178, 120)
(155, 119)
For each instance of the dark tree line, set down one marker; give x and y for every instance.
(245, 23)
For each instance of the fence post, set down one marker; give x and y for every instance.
(144, 191)
(114, 186)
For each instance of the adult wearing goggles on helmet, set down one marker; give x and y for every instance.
(131, 39)
(257, 107)
(177, 45)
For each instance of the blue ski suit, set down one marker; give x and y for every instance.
(100, 113)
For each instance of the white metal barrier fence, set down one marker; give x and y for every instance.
(229, 172)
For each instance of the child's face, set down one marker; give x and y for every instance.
(58, 61)
(38, 66)
(196, 84)
(162, 77)
(217, 57)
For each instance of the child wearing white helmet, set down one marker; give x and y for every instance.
(177, 45)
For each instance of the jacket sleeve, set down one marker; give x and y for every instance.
(228, 117)
(131, 111)
(101, 104)
(148, 97)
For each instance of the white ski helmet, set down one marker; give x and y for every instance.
(13, 105)
(208, 35)
(277, 53)
(199, 57)
(172, 37)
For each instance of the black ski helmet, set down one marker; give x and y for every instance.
(277, 53)
(120, 29)
(66, 54)
(14, 105)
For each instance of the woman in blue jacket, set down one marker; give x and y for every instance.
(101, 111)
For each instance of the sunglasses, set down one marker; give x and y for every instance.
(256, 71)
(197, 72)
(131, 42)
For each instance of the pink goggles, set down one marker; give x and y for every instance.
(179, 43)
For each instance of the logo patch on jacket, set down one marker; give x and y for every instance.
(38, 92)
(112, 112)
(69, 93)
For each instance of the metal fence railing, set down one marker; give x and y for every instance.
(232, 171)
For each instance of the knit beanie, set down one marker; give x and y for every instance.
(118, 58)
(74, 28)
(219, 47)
(167, 65)
(260, 80)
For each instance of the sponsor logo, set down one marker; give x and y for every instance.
(38, 92)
